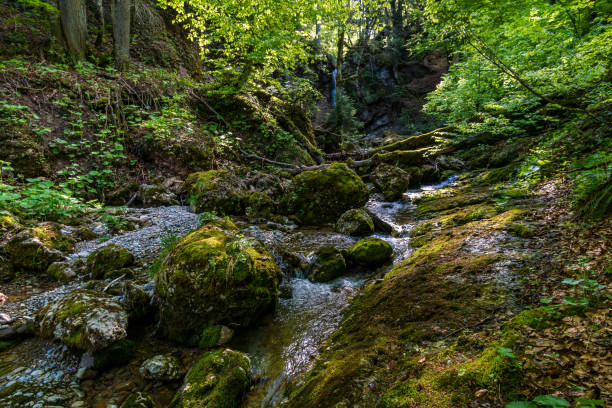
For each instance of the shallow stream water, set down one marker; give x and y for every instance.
(284, 345)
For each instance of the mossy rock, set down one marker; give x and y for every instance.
(61, 271)
(391, 181)
(215, 336)
(321, 196)
(218, 379)
(355, 222)
(328, 264)
(402, 158)
(259, 205)
(107, 259)
(140, 400)
(8, 223)
(370, 252)
(216, 190)
(36, 248)
(520, 230)
(83, 319)
(212, 277)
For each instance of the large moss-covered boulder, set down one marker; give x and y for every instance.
(370, 252)
(107, 259)
(211, 277)
(328, 264)
(218, 379)
(83, 319)
(321, 196)
(36, 248)
(355, 222)
(216, 190)
(391, 181)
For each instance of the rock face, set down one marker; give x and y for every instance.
(321, 196)
(108, 259)
(162, 368)
(355, 222)
(36, 248)
(370, 252)
(218, 379)
(212, 277)
(391, 181)
(328, 264)
(83, 319)
(216, 190)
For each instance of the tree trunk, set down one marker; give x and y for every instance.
(74, 26)
(339, 62)
(120, 11)
(100, 39)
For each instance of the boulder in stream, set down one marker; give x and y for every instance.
(108, 259)
(218, 379)
(321, 196)
(328, 264)
(355, 222)
(162, 368)
(83, 319)
(390, 180)
(210, 277)
(216, 190)
(370, 252)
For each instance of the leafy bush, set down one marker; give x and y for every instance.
(40, 199)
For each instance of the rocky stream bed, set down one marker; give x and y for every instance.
(40, 373)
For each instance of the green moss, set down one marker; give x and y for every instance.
(210, 336)
(216, 190)
(402, 158)
(8, 223)
(107, 259)
(213, 277)
(259, 204)
(321, 196)
(371, 252)
(520, 230)
(329, 264)
(218, 379)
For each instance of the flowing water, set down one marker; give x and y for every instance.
(285, 344)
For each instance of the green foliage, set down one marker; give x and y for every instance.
(240, 38)
(41, 199)
(169, 240)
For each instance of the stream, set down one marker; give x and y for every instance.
(281, 347)
(284, 345)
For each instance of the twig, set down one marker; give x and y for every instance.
(113, 282)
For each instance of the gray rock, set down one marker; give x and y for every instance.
(83, 319)
(162, 368)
